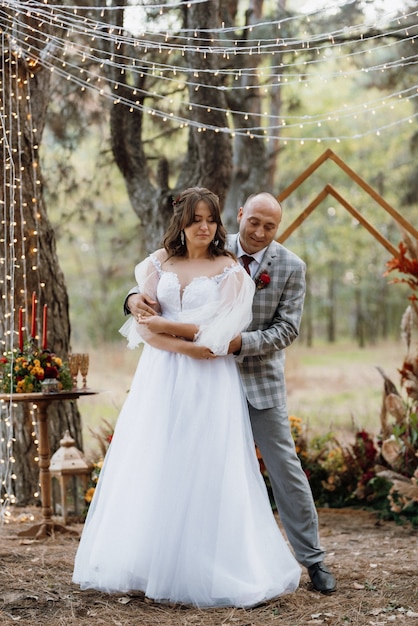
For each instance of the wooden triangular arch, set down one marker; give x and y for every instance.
(330, 190)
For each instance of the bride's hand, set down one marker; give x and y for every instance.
(154, 323)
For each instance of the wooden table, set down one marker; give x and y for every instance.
(42, 401)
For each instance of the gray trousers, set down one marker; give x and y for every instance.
(291, 489)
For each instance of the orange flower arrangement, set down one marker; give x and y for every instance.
(24, 373)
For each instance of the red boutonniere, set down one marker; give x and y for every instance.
(263, 280)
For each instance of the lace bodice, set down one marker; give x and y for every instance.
(220, 305)
(196, 301)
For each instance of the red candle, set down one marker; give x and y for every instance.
(44, 328)
(20, 329)
(33, 328)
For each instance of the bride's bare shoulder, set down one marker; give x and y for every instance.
(161, 255)
(223, 262)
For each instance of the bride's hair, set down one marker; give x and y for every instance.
(184, 208)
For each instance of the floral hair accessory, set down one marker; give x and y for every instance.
(263, 280)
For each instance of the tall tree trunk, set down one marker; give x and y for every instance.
(249, 172)
(308, 316)
(360, 329)
(32, 263)
(208, 160)
(331, 305)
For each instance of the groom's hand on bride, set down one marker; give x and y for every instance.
(235, 345)
(138, 304)
(197, 352)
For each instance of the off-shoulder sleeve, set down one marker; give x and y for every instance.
(233, 311)
(147, 275)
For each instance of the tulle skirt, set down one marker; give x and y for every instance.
(181, 511)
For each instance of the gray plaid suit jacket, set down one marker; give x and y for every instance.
(277, 311)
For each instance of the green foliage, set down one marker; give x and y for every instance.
(97, 237)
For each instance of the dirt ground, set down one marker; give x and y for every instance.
(375, 563)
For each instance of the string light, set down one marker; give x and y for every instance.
(7, 460)
(197, 43)
(15, 93)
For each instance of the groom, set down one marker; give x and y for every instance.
(277, 309)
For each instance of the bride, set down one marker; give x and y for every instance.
(181, 511)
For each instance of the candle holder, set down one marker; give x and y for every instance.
(50, 385)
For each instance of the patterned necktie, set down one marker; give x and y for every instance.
(246, 260)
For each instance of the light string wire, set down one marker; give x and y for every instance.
(157, 68)
(14, 169)
(192, 40)
(133, 65)
(396, 64)
(35, 198)
(160, 7)
(75, 18)
(171, 5)
(147, 44)
(104, 30)
(35, 252)
(86, 83)
(256, 131)
(9, 183)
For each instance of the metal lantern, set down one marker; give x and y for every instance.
(72, 472)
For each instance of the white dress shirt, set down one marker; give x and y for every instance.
(257, 256)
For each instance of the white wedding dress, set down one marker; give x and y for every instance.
(181, 511)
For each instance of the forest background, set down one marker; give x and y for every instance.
(352, 315)
(99, 234)
(359, 98)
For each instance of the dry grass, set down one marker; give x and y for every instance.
(375, 564)
(337, 387)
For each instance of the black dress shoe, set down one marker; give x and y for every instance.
(321, 578)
